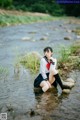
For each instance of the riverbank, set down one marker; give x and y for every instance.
(69, 60)
(8, 18)
(14, 17)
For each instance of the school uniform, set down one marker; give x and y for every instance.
(45, 68)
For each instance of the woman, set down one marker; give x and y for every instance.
(48, 73)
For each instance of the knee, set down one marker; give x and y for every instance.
(45, 87)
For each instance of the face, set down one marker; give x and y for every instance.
(48, 54)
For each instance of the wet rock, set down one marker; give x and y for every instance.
(70, 84)
(32, 32)
(78, 36)
(38, 106)
(32, 112)
(67, 38)
(66, 91)
(46, 34)
(61, 25)
(70, 80)
(26, 38)
(69, 31)
(43, 38)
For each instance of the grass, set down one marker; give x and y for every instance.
(3, 72)
(31, 61)
(6, 20)
(70, 59)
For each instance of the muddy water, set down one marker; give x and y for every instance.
(17, 96)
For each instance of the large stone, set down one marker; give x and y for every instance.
(70, 80)
(67, 38)
(70, 84)
(69, 31)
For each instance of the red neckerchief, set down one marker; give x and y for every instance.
(48, 65)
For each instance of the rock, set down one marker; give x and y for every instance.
(43, 38)
(38, 106)
(78, 36)
(70, 84)
(32, 32)
(32, 112)
(69, 31)
(26, 38)
(46, 34)
(65, 68)
(73, 30)
(67, 38)
(61, 25)
(67, 91)
(70, 80)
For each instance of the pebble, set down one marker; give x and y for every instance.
(67, 91)
(43, 38)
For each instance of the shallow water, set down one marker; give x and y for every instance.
(17, 96)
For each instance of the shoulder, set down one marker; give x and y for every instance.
(43, 59)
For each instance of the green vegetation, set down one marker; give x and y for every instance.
(77, 31)
(3, 72)
(70, 59)
(13, 19)
(31, 61)
(42, 6)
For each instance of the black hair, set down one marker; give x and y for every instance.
(47, 49)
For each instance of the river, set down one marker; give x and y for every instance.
(17, 97)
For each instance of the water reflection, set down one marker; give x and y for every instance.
(47, 101)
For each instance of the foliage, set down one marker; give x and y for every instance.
(46, 6)
(70, 58)
(31, 61)
(5, 3)
(3, 72)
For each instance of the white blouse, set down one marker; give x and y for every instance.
(43, 68)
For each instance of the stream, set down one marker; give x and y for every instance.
(17, 96)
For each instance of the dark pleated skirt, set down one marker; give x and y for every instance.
(39, 79)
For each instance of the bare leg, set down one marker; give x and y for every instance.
(45, 86)
(51, 77)
(48, 83)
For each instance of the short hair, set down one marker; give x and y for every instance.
(47, 49)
